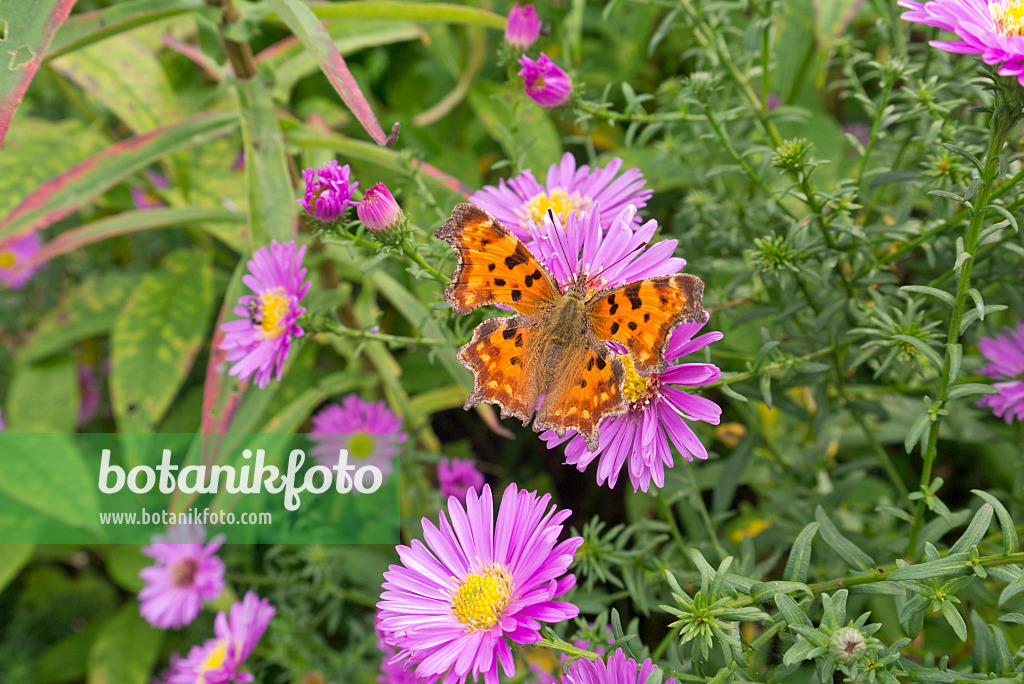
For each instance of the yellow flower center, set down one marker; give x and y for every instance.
(216, 657)
(558, 201)
(1008, 16)
(635, 387)
(482, 598)
(7, 259)
(273, 307)
(361, 446)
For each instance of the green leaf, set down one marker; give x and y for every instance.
(272, 206)
(1010, 541)
(125, 650)
(1004, 659)
(46, 472)
(156, 338)
(449, 13)
(87, 311)
(123, 563)
(975, 532)
(845, 548)
(766, 591)
(27, 29)
(67, 660)
(943, 567)
(12, 560)
(955, 352)
(931, 291)
(953, 617)
(311, 33)
(87, 28)
(970, 388)
(124, 75)
(43, 396)
(918, 427)
(923, 348)
(966, 155)
(1015, 618)
(791, 611)
(82, 183)
(800, 555)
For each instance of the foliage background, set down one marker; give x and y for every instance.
(826, 474)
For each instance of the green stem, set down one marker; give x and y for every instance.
(875, 125)
(1000, 129)
(670, 518)
(618, 117)
(771, 368)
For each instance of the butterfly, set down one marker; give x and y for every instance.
(550, 362)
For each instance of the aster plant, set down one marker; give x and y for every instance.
(187, 574)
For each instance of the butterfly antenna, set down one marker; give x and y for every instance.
(616, 262)
(565, 255)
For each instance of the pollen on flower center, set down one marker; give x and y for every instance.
(361, 446)
(639, 390)
(1008, 16)
(7, 259)
(273, 307)
(559, 201)
(481, 599)
(216, 657)
(183, 572)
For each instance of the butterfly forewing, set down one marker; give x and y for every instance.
(494, 266)
(641, 315)
(500, 358)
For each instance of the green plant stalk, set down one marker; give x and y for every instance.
(756, 644)
(876, 123)
(1000, 130)
(567, 649)
(408, 250)
(670, 518)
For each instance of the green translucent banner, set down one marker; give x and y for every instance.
(253, 488)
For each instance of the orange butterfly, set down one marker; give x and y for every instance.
(555, 346)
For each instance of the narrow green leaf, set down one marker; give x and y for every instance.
(1015, 618)
(955, 620)
(766, 591)
(272, 206)
(1010, 541)
(845, 548)
(83, 182)
(156, 338)
(931, 291)
(944, 567)
(800, 555)
(12, 560)
(307, 28)
(914, 434)
(450, 13)
(969, 389)
(663, 28)
(955, 352)
(966, 155)
(791, 611)
(26, 29)
(44, 396)
(923, 348)
(975, 532)
(87, 28)
(1004, 659)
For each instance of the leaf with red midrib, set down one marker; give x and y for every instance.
(29, 29)
(308, 29)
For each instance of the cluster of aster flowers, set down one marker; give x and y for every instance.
(456, 477)
(328, 195)
(187, 573)
(543, 80)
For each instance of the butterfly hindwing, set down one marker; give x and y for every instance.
(587, 388)
(641, 315)
(494, 266)
(499, 356)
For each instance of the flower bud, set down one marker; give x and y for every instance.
(847, 645)
(379, 211)
(522, 27)
(544, 81)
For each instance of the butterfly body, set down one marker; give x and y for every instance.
(550, 362)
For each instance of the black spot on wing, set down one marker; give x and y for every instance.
(590, 362)
(519, 340)
(491, 266)
(500, 282)
(647, 317)
(520, 256)
(509, 333)
(632, 293)
(583, 383)
(601, 363)
(631, 325)
(516, 295)
(514, 360)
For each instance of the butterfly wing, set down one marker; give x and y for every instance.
(586, 389)
(641, 315)
(500, 356)
(494, 266)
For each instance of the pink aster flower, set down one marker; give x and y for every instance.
(607, 257)
(523, 27)
(454, 603)
(368, 430)
(544, 81)
(328, 191)
(186, 573)
(259, 342)
(379, 211)
(567, 189)
(218, 661)
(655, 416)
(618, 670)
(14, 252)
(1006, 354)
(992, 29)
(457, 476)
